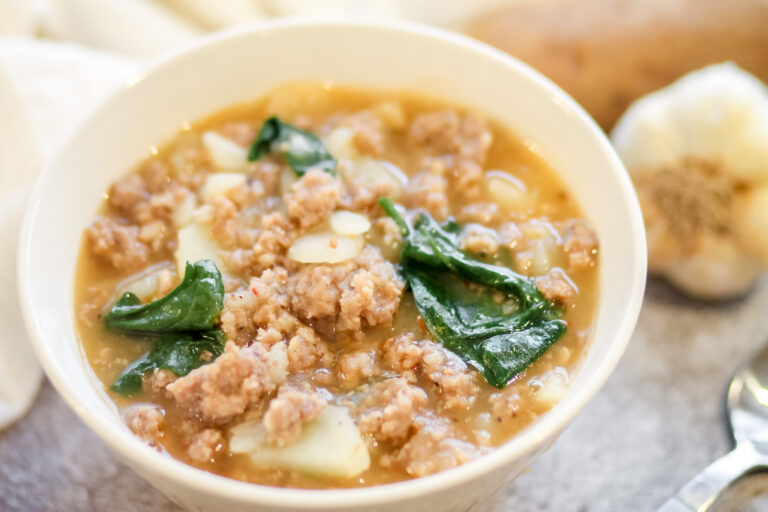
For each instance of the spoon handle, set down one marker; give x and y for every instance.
(702, 491)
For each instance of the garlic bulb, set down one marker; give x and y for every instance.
(697, 152)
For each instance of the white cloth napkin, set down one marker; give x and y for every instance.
(45, 90)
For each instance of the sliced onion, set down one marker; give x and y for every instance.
(325, 248)
(349, 223)
(145, 285)
(373, 172)
(226, 155)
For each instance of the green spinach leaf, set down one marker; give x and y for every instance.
(302, 150)
(179, 353)
(194, 305)
(454, 294)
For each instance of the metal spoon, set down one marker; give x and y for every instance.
(747, 407)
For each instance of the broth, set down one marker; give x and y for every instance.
(501, 189)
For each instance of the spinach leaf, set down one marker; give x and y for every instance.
(302, 150)
(454, 294)
(179, 353)
(194, 305)
(129, 381)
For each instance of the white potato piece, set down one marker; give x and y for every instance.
(507, 191)
(339, 143)
(184, 211)
(287, 179)
(329, 446)
(196, 243)
(278, 363)
(554, 386)
(220, 183)
(325, 248)
(349, 223)
(248, 436)
(545, 252)
(392, 113)
(226, 155)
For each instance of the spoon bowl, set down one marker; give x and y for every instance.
(747, 402)
(747, 408)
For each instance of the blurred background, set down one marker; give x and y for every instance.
(603, 52)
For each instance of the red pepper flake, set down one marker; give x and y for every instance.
(254, 291)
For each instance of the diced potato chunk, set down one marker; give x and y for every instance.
(226, 155)
(185, 211)
(554, 386)
(349, 223)
(341, 145)
(196, 243)
(287, 179)
(278, 363)
(325, 248)
(507, 191)
(220, 183)
(329, 446)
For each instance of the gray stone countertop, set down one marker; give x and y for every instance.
(656, 423)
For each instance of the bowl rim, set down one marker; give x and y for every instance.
(139, 454)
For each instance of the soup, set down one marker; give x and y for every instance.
(332, 287)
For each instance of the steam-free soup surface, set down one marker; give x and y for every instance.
(330, 376)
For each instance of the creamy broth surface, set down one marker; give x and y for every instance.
(347, 334)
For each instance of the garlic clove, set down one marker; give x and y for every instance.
(325, 248)
(645, 138)
(349, 223)
(226, 155)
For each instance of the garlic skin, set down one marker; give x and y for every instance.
(697, 152)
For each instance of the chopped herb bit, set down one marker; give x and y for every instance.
(453, 293)
(302, 150)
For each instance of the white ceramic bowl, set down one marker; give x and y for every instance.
(244, 63)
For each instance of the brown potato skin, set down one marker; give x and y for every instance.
(607, 53)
